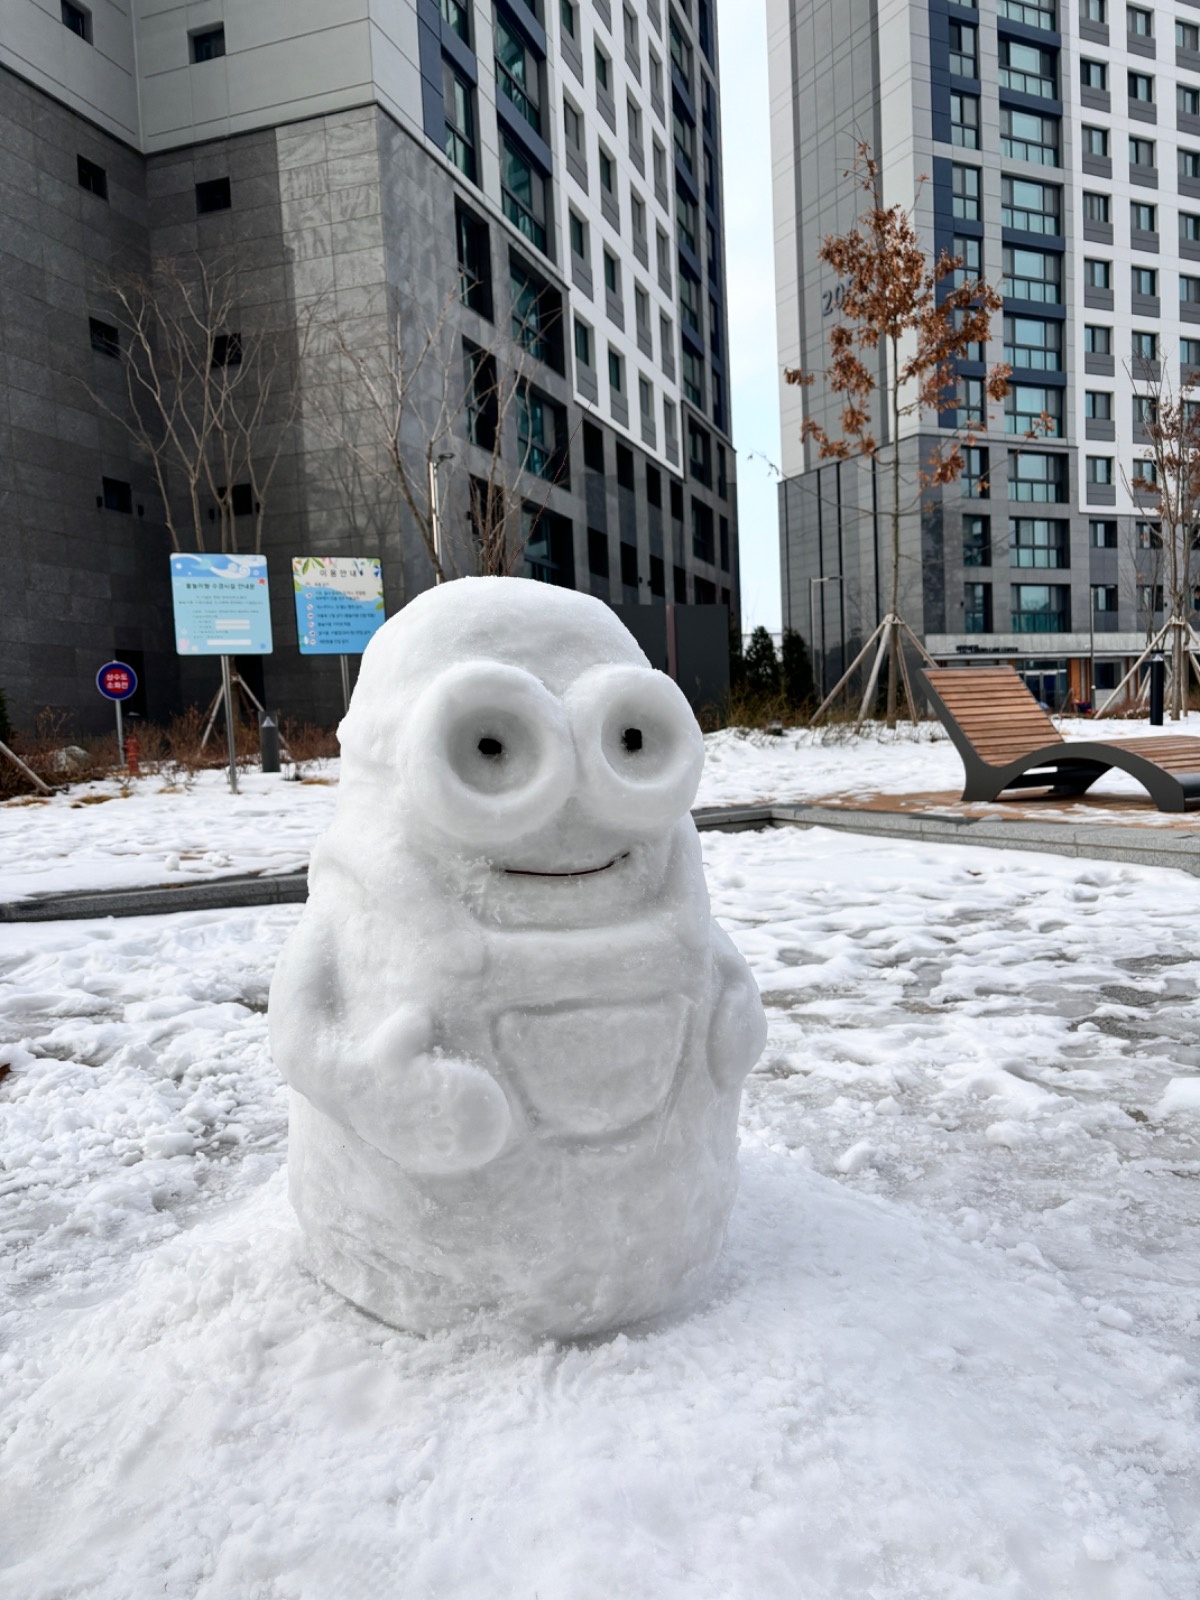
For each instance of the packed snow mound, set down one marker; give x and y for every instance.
(515, 1036)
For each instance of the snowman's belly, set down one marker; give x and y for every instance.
(588, 1070)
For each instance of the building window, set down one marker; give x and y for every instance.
(208, 44)
(460, 120)
(1145, 411)
(1189, 352)
(964, 121)
(116, 495)
(686, 221)
(1189, 290)
(968, 251)
(1189, 227)
(1038, 542)
(474, 263)
(612, 275)
(1139, 21)
(569, 14)
(1189, 164)
(1097, 340)
(457, 14)
(227, 350)
(970, 404)
(1144, 478)
(1145, 345)
(536, 315)
(572, 126)
(608, 176)
(704, 546)
(1104, 597)
(1033, 409)
(1028, 68)
(973, 479)
(1187, 101)
(91, 177)
(1032, 13)
(684, 136)
(646, 399)
(1097, 274)
(1141, 153)
(522, 193)
(541, 434)
(577, 232)
(1093, 74)
(1100, 471)
(1187, 37)
(1150, 597)
(616, 371)
(977, 541)
(1097, 405)
(1095, 141)
(213, 196)
(1028, 136)
(1144, 282)
(1102, 535)
(693, 378)
(699, 454)
(1033, 342)
(78, 20)
(1031, 206)
(1032, 275)
(964, 183)
(1096, 207)
(964, 50)
(689, 301)
(1141, 88)
(977, 608)
(1143, 218)
(106, 339)
(583, 343)
(1094, 10)
(518, 72)
(1148, 535)
(597, 553)
(603, 71)
(681, 51)
(1034, 475)
(482, 396)
(1041, 607)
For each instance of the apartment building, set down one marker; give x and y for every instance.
(537, 180)
(1053, 145)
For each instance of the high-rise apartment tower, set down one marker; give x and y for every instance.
(538, 179)
(1054, 145)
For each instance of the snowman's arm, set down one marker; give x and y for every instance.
(394, 1089)
(737, 1028)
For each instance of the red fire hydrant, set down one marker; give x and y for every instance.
(133, 751)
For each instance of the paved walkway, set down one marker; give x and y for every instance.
(1104, 830)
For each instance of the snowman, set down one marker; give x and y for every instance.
(514, 1036)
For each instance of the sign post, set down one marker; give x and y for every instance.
(339, 607)
(222, 608)
(116, 682)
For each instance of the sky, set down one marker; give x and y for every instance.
(750, 268)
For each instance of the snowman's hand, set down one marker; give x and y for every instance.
(738, 1027)
(429, 1112)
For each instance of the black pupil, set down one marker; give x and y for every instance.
(490, 747)
(632, 738)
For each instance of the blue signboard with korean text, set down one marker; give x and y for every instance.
(339, 603)
(222, 607)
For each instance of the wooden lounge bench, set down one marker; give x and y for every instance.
(1007, 741)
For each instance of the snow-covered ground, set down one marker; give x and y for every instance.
(151, 831)
(951, 1352)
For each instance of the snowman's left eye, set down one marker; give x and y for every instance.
(490, 747)
(632, 739)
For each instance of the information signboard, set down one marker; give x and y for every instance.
(222, 607)
(339, 603)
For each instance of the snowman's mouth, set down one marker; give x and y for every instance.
(578, 872)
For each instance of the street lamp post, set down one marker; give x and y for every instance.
(834, 577)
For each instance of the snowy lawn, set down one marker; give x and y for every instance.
(951, 1351)
(149, 831)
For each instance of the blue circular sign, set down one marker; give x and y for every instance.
(116, 681)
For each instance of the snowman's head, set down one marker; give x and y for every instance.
(519, 724)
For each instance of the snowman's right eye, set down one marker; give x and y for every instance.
(490, 747)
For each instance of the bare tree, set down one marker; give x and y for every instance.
(1166, 482)
(425, 399)
(892, 299)
(210, 392)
